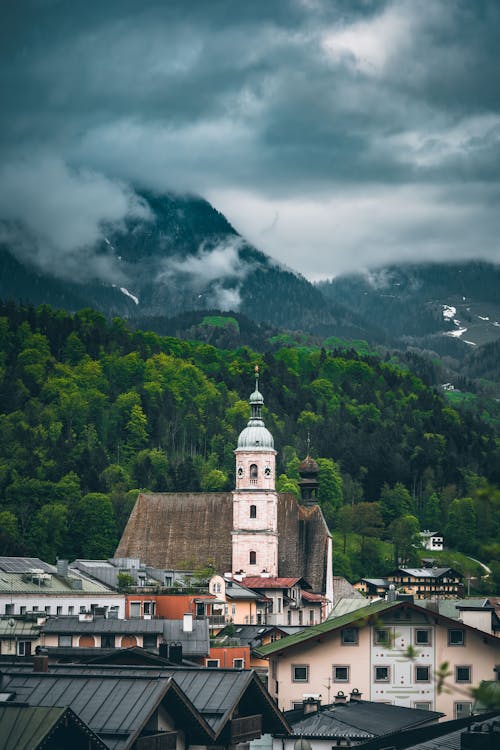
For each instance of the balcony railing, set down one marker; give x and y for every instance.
(216, 621)
(246, 728)
(163, 741)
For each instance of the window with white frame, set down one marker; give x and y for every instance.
(349, 636)
(300, 672)
(238, 663)
(64, 640)
(381, 637)
(456, 637)
(461, 709)
(341, 673)
(381, 673)
(212, 663)
(463, 673)
(422, 636)
(422, 705)
(422, 673)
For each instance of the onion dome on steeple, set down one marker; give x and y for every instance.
(256, 436)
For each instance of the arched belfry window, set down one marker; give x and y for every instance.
(253, 471)
(253, 558)
(253, 511)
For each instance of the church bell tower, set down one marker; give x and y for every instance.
(255, 500)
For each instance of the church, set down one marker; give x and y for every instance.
(252, 531)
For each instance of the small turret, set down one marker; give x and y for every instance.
(308, 482)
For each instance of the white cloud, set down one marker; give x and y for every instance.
(55, 216)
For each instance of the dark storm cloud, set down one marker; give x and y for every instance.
(262, 104)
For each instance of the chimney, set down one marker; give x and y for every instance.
(175, 653)
(310, 706)
(355, 695)
(163, 650)
(391, 595)
(340, 699)
(40, 663)
(187, 623)
(62, 568)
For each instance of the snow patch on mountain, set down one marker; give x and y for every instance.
(449, 312)
(128, 294)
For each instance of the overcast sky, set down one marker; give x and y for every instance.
(334, 134)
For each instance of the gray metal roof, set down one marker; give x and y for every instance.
(12, 628)
(194, 643)
(114, 700)
(358, 720)
(98, 625)
(114, 705)
(27, 727)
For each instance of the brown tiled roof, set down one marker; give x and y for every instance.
(177, 530)
(180, 530)
(258, 582)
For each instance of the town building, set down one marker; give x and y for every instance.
(432, 540)
(29, 585)
(421, 583)
(251, 531)
(267, 600)
(182, 639)
(145, 708)
(349, 721)
(390, 652)
(19, 636)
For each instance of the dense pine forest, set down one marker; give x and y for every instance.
(92, 411)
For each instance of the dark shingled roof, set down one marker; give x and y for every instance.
(357, 720)
(170, 530)
(30, 727)
(116, 701)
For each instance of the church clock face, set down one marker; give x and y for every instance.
(267, 471)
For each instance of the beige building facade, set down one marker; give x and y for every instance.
(396, 653)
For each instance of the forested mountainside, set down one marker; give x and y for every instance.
(91, 411)
(182, 255)
(416, 303)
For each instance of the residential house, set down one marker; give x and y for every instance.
(421, 583)
(478, 612)
(187, 638)
(350, 720)
(432, 540)
(289, 601)
(144, 708)
(27, 584)
(372, 588)
(391, 652)
(19, 636)
(254, 636)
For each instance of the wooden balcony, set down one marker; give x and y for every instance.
(162, 741)
(246, 728)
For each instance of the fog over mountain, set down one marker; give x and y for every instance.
(335, 135)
